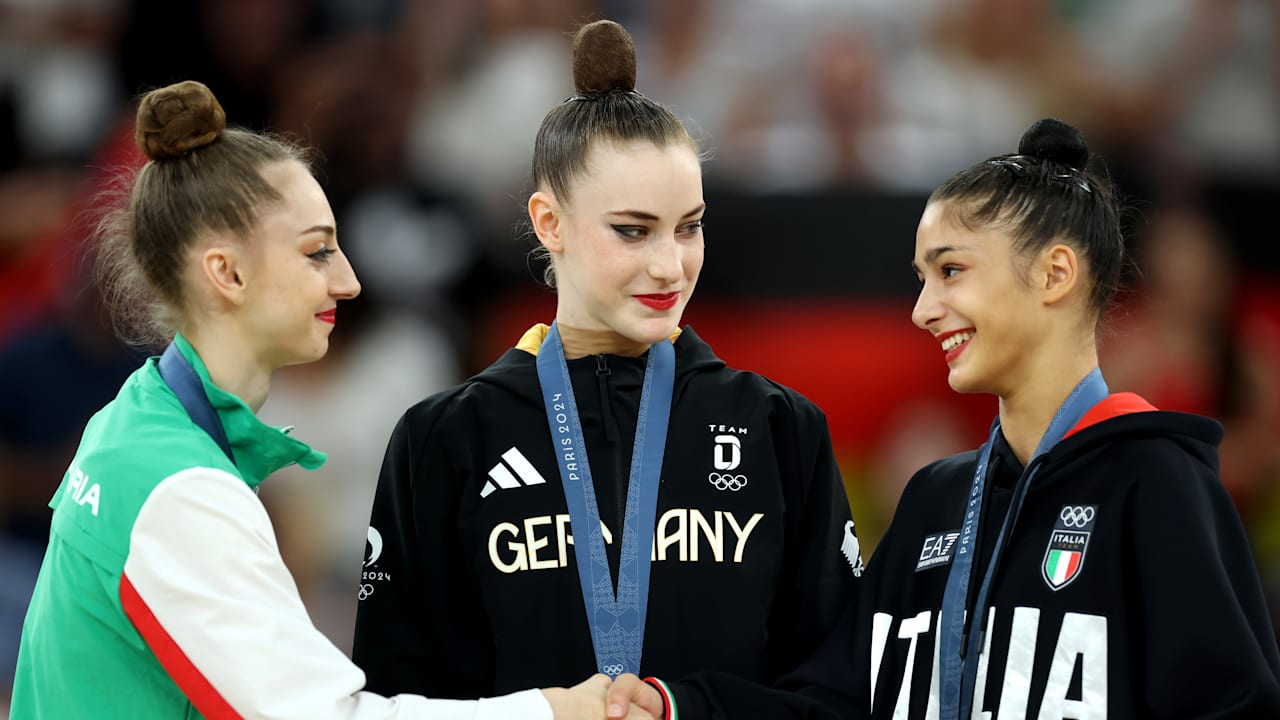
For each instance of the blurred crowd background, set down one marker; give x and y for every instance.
(826, 124)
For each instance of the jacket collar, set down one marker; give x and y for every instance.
(260, 449)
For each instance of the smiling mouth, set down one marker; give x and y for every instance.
(659, 301)
(954, 343)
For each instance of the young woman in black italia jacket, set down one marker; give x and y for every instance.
(608, 496)
(1086, 561)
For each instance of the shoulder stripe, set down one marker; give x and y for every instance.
(1112, 406)
(193, 684)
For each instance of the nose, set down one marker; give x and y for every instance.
(666, 260)
(928, 309)
(343, 284)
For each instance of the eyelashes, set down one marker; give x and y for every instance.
(639, 232)
(322, 255)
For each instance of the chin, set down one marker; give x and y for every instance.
(653, 330)
(963, 384)
(313, 352)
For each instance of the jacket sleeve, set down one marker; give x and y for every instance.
(1210, 647)
(420, 625)
(206, 589)
(812, 624)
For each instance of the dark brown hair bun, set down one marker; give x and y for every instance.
(174, 120)
(604, 58)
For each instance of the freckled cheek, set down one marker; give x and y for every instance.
(693, 262)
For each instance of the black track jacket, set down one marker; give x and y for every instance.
(471, 588)
(1127, 589)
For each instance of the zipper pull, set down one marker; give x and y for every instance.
(606, 405)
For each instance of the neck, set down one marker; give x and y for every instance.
(1025, 413)
(231, 363)
(580, 342)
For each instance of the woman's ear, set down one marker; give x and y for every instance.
(223, 265)
(546, 216)
(1059, 272)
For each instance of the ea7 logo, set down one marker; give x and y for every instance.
(728, 452)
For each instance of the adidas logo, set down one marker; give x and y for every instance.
(502, 477)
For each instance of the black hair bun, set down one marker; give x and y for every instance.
(1055, 141)
(177, 119)
(604, 58)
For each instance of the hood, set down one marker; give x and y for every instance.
(1128, 417)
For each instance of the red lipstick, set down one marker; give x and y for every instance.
(329, 316)
(659, 301)
(954, 352)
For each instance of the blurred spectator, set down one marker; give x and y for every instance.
(351, 96)
(236, 47)
(56, 71)
(380, 362)
(1184, 345)
(977, 73)
(1194, 84)
(474, 132)
(827, 129)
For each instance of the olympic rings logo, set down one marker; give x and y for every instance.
(727, 481)
(1075, 516)
(365, 591)
(612, 670)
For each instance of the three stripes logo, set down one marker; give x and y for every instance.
(514, 471)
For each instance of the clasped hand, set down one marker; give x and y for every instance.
(597, 698)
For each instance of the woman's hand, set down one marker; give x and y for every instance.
(631, 690)
(585, 701)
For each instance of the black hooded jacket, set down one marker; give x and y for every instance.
(471, 587)
(1126, 589)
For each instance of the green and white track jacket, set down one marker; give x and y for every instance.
(163, 594)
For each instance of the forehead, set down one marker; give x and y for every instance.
(302, 200)
(640, 175)
(942, 230)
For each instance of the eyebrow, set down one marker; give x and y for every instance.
(642, 215)
(326, 229)
(934, 253)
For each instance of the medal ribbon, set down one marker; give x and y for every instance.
(616, 621)
(959, 644)
(178, 374)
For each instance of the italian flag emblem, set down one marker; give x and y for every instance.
(1064, 557)
(1060, 566)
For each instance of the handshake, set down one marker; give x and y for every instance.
(598, 698)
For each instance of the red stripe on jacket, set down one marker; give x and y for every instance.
(191, 681)
(1111, 406)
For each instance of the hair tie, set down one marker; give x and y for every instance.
(597, 94)
(1017, 164)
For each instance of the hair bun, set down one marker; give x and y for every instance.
(174, 120)
(1055, 141)
(604, 58)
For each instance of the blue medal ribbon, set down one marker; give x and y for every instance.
(178, 374)
(616, 621)
(961, 641)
